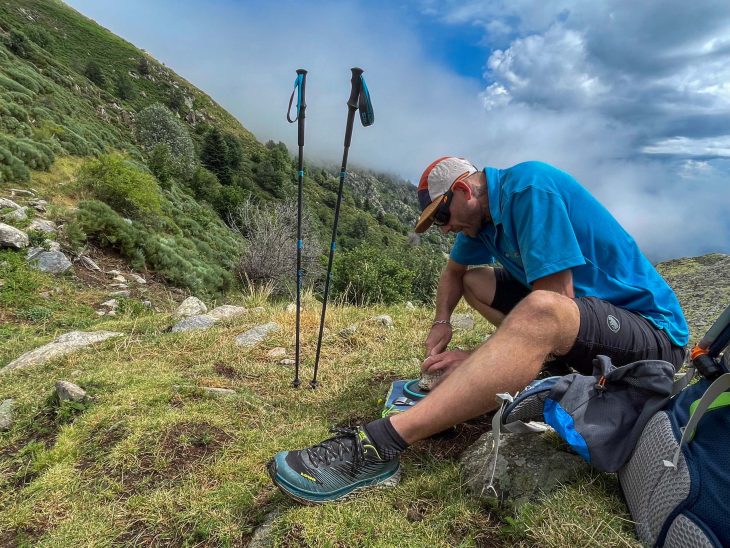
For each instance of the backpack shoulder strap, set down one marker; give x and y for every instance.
(719, 385)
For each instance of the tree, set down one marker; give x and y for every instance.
(94, 73)
(214, 155)
(18, 43)
(176, 100)
(156, 125)
(124, 86)
(143, 66)
(360, 228)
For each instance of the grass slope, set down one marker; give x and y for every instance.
(152, 460)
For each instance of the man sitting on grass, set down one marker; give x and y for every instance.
(573, 284)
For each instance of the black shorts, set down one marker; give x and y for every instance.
(606, 329)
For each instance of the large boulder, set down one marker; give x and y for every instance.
(8, 204)
(12, 237)
(191, 306)
(42, 225)
(65, 344)
(53, 262)
(527, 466)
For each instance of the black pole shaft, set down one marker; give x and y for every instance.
(356, 84)
(300, 123)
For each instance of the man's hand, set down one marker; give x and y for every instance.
(444, 363)
(438, 338)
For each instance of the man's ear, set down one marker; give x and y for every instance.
(464, 187)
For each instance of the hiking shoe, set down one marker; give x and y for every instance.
(334, 469)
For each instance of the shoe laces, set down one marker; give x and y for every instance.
(346, 440)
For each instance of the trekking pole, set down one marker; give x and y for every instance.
(359, 100)
(299, 85)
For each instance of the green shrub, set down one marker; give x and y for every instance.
(426, 264)
(115, 181)
(156, 125)
(368, 275)
(93, 72)
(123, 86)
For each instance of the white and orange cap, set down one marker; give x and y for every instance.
(435, 182)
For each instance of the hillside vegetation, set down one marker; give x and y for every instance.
(159, 172)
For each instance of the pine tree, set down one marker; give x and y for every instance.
(214, 155)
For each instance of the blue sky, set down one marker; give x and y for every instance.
(631, 98)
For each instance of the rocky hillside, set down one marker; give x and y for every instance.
(703, 287)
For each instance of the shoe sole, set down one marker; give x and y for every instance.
(387, 483)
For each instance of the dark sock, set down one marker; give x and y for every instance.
(386, 439)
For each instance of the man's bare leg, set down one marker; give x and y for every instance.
(543, 323)
(480, 285)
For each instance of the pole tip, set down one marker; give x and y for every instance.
(313, 385)
(296, 384)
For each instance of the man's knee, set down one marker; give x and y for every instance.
(480, 285)
(551, 314)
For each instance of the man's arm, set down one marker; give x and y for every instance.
(560, 282)
(450, 290)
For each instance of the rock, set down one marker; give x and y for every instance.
(410, 306)
(120, 279)
(528, 466)
(287, 361)
(119, 285)
(256, 335)
(6, 414)
(50, 245)
(88, 263)
(148, 304)
(68, 391)
(193, 323)
(226, 312)
(124, 293)
(19, 214)
(386, 320)
(462, 321)
(277, 352)
(111, 303)
(53, 262)
(291, 308)
(191, 307)
(32, 252)
(12, 237)
(138, 279)
(38, 204)
(20, 192)
(263, 536)
(218, 391)
(113, 273)
(65, 344)
(42, 225)
(8, 204)
(428, 380)
(348, 331)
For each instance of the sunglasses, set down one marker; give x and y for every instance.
(443, 211)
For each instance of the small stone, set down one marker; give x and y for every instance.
(348, 331)
(113, 273)
(190, 307)
(68, 391)
(21, 192)
(138, 279)
(277, 352)
(111, 313)
(88, 263)
(462, 321)
(256, 335)
(193, 323)
(101, 313)
(148, 304)
(428, 381)
(124, 293)
(6, 414)
(287, 361)
(16, 215)
(120, 279)
(119, 285)
(410, 306)
(386, 320)
(111, 303)
(291, 308)
(42, 225)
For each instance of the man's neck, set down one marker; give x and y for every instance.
(481, 193)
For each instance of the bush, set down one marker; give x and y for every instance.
(426, 264)
(115, 181)
(366, 275)
(156, 125)
(123, 86)
(93, 72)
(271, 256)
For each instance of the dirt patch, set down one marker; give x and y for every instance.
(451, 443)
(102, 439)
(182, 447)
(227, 371)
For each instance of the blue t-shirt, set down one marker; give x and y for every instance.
(544, 221)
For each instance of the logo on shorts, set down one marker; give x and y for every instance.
(613, 323)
